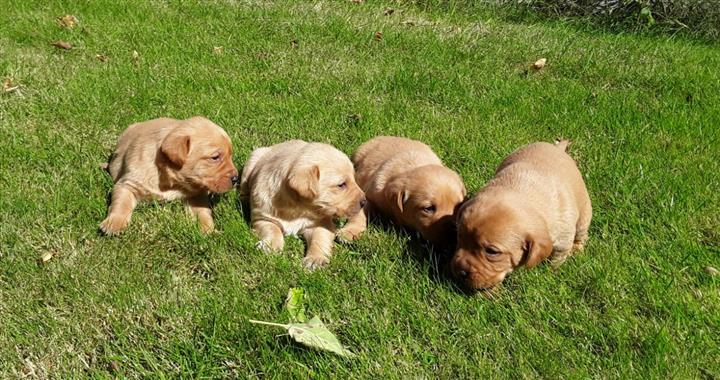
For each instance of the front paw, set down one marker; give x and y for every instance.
(349, 234)
(207, 226)
(312, 262)
(114, 224)
(270, 245)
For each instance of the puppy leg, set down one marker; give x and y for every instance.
(271, 236)
(121, 207)
(354, 228)
(581, 229)
(319, 242)
(199, 207)
(558, 258)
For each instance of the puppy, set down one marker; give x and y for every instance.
(535, 206)
(167, 159)
(298, 187)
(405, 180)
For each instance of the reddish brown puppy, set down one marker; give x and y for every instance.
(167, 159)
(406, 180)
(536, 206)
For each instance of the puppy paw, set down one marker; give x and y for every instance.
(578, 246)
(207, 228)
(315, 262)
(114, 224)
(349, 234)
(558, 259)
(269, 246)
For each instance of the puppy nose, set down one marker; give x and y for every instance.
(363, 202)
(463, 274)
(235, 179)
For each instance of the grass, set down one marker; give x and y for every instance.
(162, 300)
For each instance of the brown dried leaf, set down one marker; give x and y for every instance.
(539, 64)
(294, 44)
(378, 36)
(62, 45)
(47, 256)
(101, 57)
(67, 21)
(388, 11)
(218, 50)
(8, 85)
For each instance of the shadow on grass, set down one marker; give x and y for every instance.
(437, 256)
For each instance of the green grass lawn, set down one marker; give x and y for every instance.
(163, 300)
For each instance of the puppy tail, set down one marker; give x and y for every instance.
(562, 144)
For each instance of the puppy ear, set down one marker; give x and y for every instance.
(176, 147)
(537, 247)
(395, 193)
(305, 182)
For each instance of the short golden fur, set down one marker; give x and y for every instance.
(297, 187)
(405, 179)
(536, 206)
(167, 159)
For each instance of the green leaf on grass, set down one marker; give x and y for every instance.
(313, 334)
(295, 305)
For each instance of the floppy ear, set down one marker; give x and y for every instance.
(305, 182)
(395, 193)
(537, 247)
(176, 147)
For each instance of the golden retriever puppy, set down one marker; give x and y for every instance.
(535, 206)
(405, 179)
(297, 187)
(167, 159)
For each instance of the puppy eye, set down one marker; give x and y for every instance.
(429, 209)
(492, 251)
(342, 186)
(215, 157)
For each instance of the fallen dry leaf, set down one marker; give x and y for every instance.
(378, 36)
(294, 44)
(712, 271)
(357, 1)
(7, 85)
(218, 50)
(539, 64)
(67, 21)
(135, 57)
(101, 57)
(62, 45)
(47, 256)
(388, 11)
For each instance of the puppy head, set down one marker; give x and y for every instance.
(494, 238)
(323, 178)
(200, 154)
(426, 199)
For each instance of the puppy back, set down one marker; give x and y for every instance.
(249, 167)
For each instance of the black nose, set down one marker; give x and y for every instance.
(363, 202)
(235, 179)
(463, 274)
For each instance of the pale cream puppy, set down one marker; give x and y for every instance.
(166, 159)
(536, 206)
(405, 179)
(300, 188)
